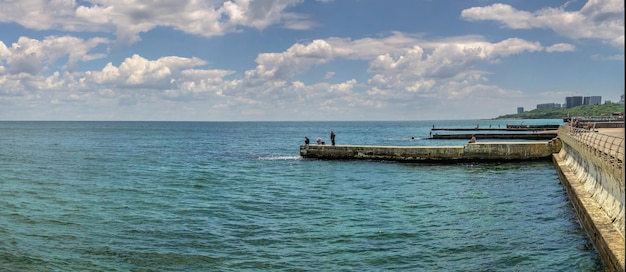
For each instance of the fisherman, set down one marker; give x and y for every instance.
(306, 141)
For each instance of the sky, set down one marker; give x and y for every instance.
(303, 60)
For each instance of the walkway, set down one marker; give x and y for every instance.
(618, 132)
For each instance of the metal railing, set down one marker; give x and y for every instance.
(609, 149)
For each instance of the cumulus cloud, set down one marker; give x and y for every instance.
(415, 65)
(137, 71)
(500, 12)
(129, 18)
(296, 59)
(41, 15)
(370, 47)
(598, 19)
(413, 70)
(345, 87)
(403, 68)
(32, 56)
(403, 72)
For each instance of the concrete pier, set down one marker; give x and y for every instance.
(547, 135)
(507, 128)
(504, 151)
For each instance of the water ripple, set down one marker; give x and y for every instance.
(135, 196)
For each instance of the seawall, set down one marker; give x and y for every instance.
(591, 168)
(509, 151)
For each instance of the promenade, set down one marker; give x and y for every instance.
(617, 132)
(591, 168)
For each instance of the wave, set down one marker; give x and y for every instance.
(279, 158)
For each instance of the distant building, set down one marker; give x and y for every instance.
(592, 100)
(621, 100)
(520, 110)
(548, 105)
(573, 101)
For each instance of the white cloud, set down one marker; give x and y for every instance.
(137, 71)
(129, 18)
(369, 48)
(506, 14)
(410, 72)
(33, 56)
(598, 19)
(196, 74)
(409, 61)
(561, 47)
(406, 78)
(415, 70)
(296, 59)
(406, 72)
(345, 87)
(40, 15)
(403, 74)
(4, 51)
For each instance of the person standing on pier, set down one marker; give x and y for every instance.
(332, 137)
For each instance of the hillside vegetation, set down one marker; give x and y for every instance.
(555, 113)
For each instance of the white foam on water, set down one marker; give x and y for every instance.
(279, 158)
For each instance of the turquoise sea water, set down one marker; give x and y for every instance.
(236, 196)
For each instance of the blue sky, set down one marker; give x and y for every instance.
(275, 60)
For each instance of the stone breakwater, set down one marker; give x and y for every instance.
(591, 168)
(510, 151)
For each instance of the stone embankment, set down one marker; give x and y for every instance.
(591, 168)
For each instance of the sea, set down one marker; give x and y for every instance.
(236, 196)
